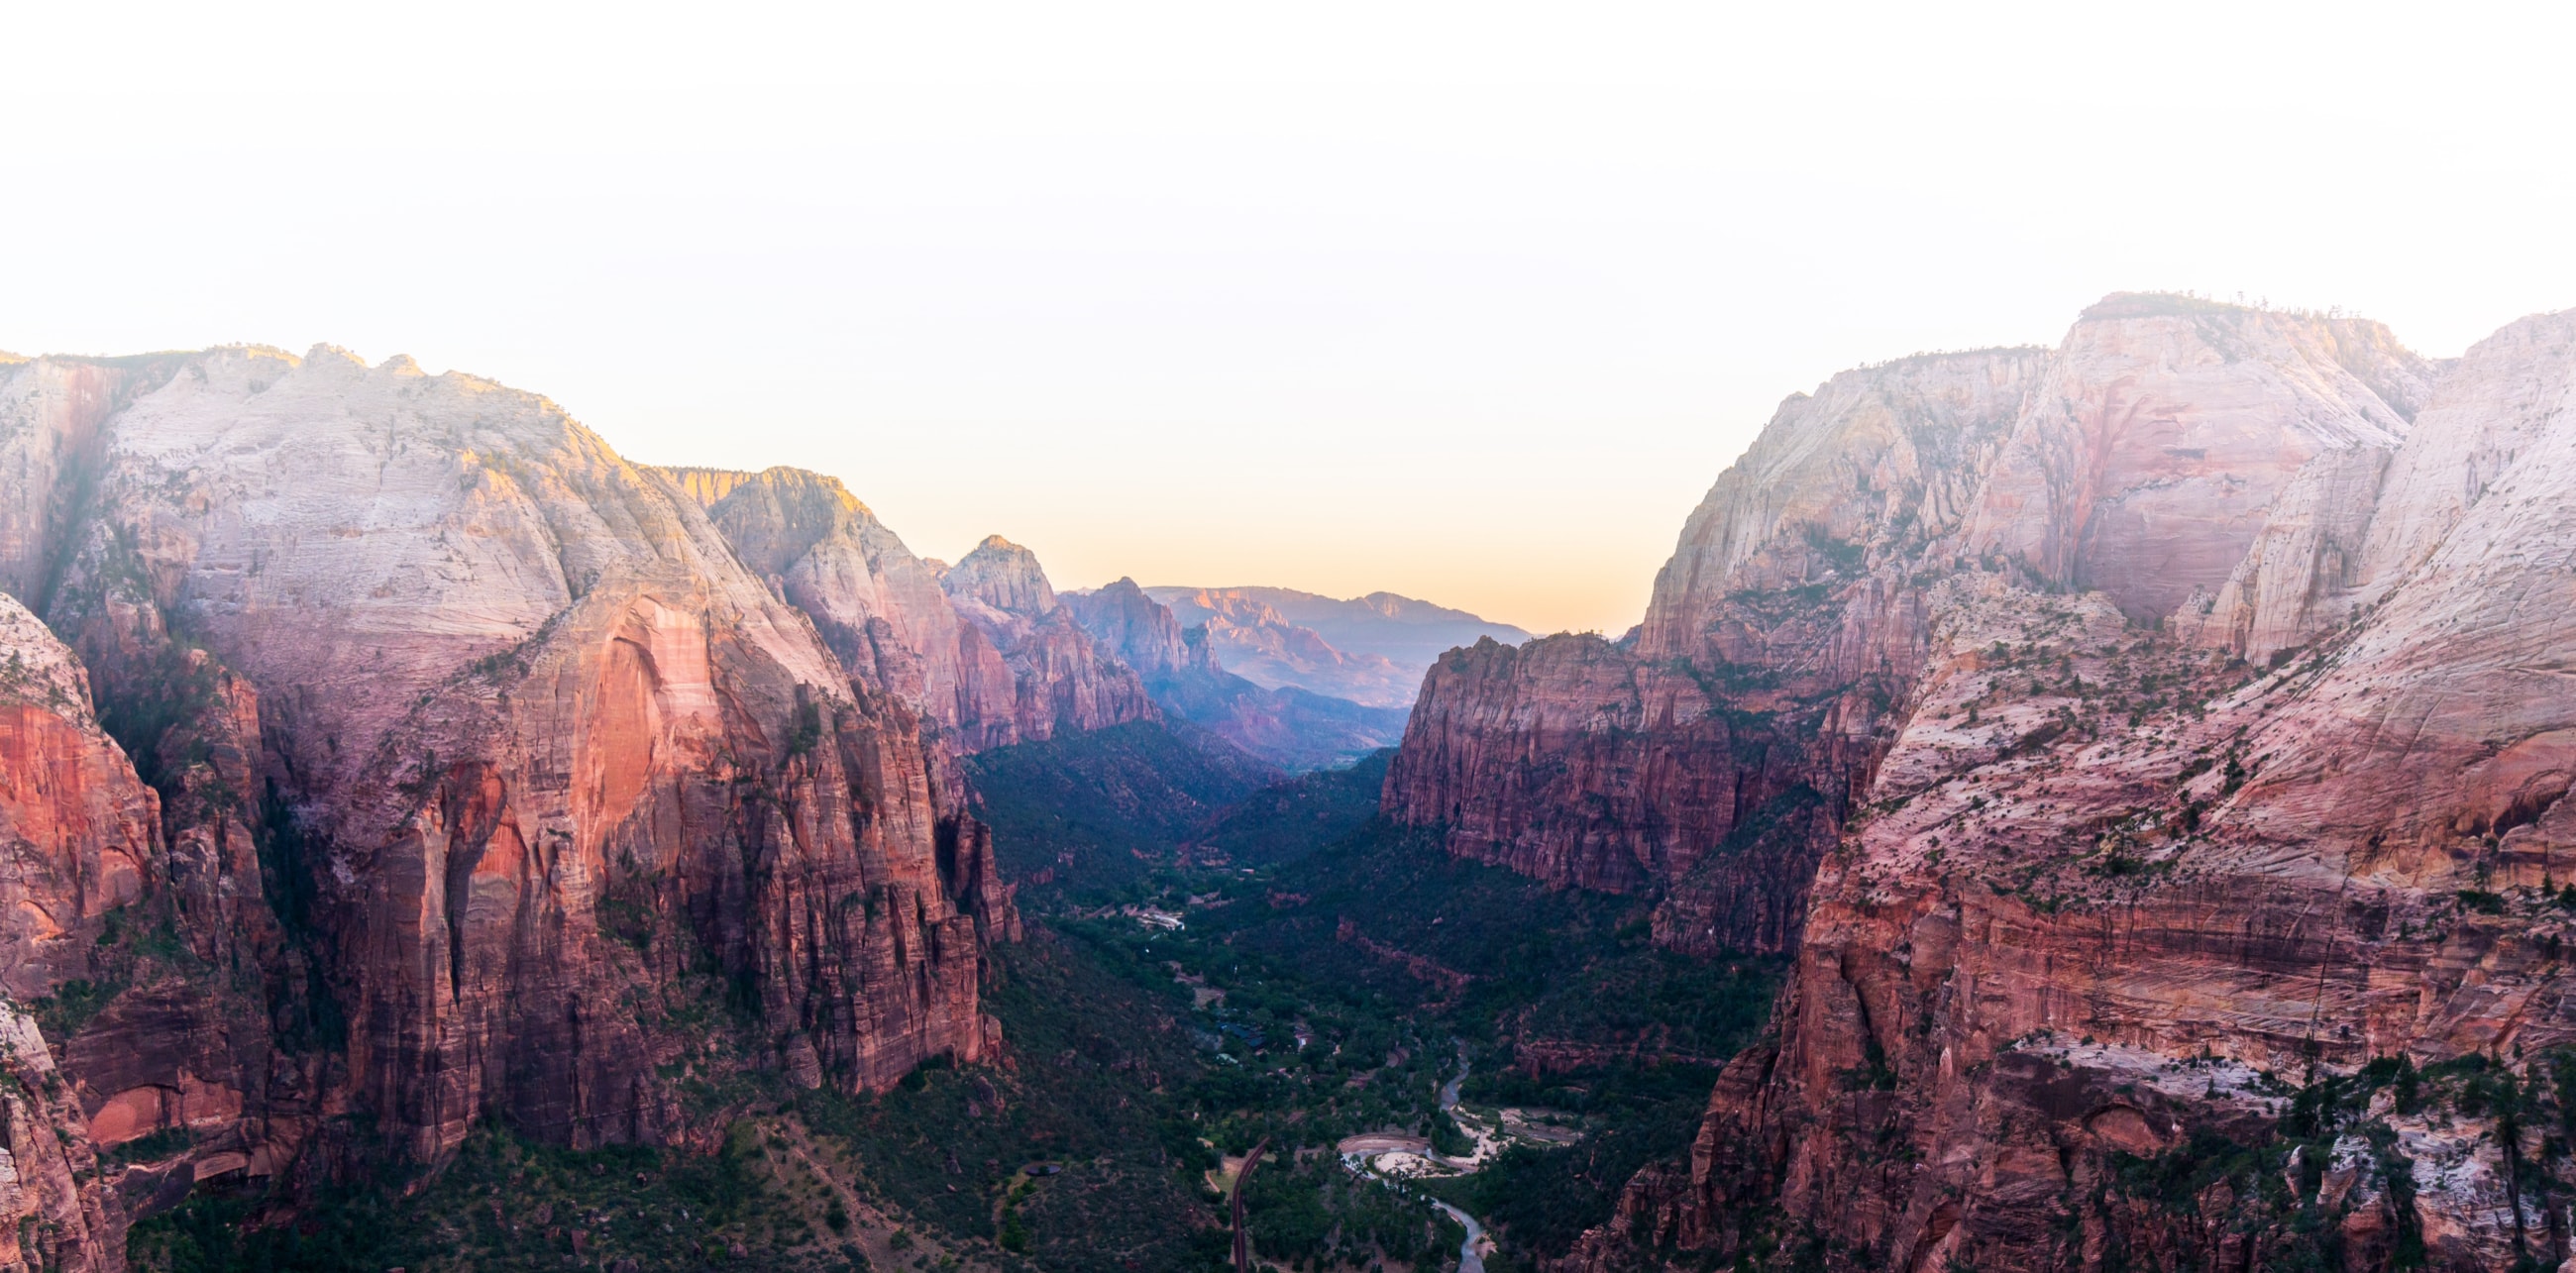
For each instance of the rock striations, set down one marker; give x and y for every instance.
(2180, 725)
(1710, 755)
(444, 766)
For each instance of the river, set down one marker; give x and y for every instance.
(1471, 1254)
(1359, 1158)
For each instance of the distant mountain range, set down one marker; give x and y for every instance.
(1371, 650)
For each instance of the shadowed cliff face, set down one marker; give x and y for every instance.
(481, 765)
(2096, 872)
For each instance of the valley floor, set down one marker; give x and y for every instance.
(1161, 1018)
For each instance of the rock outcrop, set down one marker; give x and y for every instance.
(78, 827)
(2192, 889)
(1711, 754)
(983, 648)
(1061, 680)
(1142, 632)
(478, 766)
(80, 831)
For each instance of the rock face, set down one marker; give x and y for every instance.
(2215, 744)
(1370, 650)
(1142, 632)
(1286, 725)
(988, 650)
(477, 762)
(1060, 678)
(984, 648)
(80, 829)
(1711, 754)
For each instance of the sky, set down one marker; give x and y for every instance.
(1469, 302)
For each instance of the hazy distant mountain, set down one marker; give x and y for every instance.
(1285, 724)
(1370, 649)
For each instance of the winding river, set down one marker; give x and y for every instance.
(1359, 1152)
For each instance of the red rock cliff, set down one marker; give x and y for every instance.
(1712, 755)
(469, 735)
(2110, 891)
(81, 834)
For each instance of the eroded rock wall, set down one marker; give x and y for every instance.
(469, 766)
(983, 648)
(2117, 902)
(2206, 466)
(1710, 755)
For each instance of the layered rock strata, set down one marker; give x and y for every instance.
(1060, 677)
(468, 763)
(81, 834)
(1712, 755)
(2218, 794)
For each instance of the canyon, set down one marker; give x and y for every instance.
(2139, 764)
(2151, 753)
(990, 651)
(384, 757)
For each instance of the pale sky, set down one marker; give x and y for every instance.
(1469, 302)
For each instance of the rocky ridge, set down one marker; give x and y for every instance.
(443, 766)
(989, 650)
(1370, 650)
(983, 648)
(2187, 741)
(1285, 725)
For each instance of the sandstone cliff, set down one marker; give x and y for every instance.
(1711, 755)
(80, 832)
(2196, 817)
(983, 648)
(478, 764)
(1142, 632)
(1061, 678)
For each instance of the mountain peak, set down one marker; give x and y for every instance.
(1003, 575)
